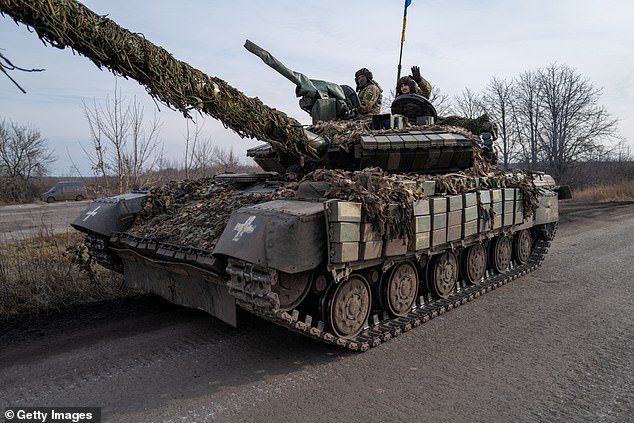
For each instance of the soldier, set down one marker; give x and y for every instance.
(370, 93)
(406, 85)
(417, 84)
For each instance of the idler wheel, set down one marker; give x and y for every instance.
(348, 305)
(501, 253)
(473, 263)
(292, 288)
(443, 274)
(399, 290)
(522, 246)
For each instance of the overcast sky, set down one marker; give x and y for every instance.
(458, 44)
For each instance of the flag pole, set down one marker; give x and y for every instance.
(400, 56)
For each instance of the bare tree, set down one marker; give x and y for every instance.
(123, 144)
(468, 105)
(497, 101)
(24, 155)
(575, 126)
(527, 116)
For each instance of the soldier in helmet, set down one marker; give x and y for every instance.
(369, 91)
(406, 85)
(416, 83)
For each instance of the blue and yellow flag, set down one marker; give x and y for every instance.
(407, 3)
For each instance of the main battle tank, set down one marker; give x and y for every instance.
(394, 220)
(356, 230)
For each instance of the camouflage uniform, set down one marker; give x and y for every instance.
(424, 87)
(370, 93)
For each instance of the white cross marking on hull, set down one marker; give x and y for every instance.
(243, 228)
(91, 213)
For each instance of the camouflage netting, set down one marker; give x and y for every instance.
(67, 23)
(387, 199)
(194, 213)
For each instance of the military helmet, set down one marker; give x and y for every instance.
(363, 71)
(406, 80)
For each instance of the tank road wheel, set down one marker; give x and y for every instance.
(348, 306)
(473, 263)
(399, 290)
(522, 245)
(443, 274)
(501, 253)
(291, 289)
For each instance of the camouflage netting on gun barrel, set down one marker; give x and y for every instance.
(67, 23)
(194, 213)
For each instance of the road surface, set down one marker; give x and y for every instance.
(21, 221)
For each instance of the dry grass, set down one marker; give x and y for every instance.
(622, 191)
(50, 271)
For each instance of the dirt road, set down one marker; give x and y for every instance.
(553, 346)
(24, 220)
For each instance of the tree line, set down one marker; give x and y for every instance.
(548, 119)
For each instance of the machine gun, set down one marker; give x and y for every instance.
(322, 100)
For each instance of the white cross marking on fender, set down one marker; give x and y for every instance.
(91, 213)
(243, 228)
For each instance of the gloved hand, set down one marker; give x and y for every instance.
(416, 73)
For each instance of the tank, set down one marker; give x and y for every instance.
(357, 229)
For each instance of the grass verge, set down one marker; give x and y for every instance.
(50, 271)
(622, 191)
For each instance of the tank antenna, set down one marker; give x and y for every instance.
(400, 56)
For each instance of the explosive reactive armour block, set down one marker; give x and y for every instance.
(454, 218)
(470, 213)
(485, 196)
(496, 195)
(455, 202)
(422, 224)
(345, 232)
(471, 228)
(343, 252)
(429, 188)
(438, 237)
(423, 240)
(438, 205)
(508, 194)
(470, 199)
(421, 207)
(369, 233)
(343, 211)
(370, 250)
(439, 221)
(395, 247)
(454, 232)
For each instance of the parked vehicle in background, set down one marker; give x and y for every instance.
(66, 190)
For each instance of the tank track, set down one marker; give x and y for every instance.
(99, 252)
(383, 330)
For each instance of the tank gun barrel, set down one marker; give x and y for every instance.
(68, 23)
